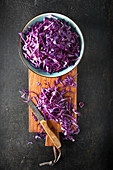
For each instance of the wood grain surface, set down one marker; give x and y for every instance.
(33, 79)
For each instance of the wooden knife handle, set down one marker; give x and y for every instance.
(52, 136)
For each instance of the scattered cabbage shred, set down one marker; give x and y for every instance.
(54, 103)
(50, 45)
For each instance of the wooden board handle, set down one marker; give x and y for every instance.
(49, 132)
(49, 142)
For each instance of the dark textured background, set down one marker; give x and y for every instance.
(93, 147)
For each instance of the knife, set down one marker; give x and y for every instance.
(43, 122)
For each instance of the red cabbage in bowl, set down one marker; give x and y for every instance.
(52, 44)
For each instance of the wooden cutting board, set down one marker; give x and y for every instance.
(33, 79)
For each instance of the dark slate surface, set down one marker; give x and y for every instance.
(93, 147)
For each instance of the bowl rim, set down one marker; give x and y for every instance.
(78, 31)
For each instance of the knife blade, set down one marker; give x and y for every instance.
(43, 122)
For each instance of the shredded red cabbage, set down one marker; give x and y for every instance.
(58, 107)
(50, 45)
(81, 104)
(30, 143)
